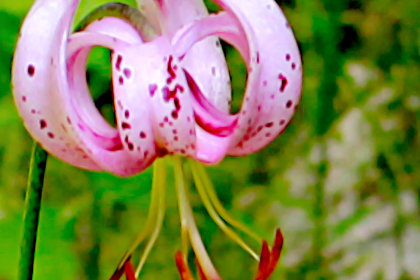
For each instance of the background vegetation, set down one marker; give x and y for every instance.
(343, 182)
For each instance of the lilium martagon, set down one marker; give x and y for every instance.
(171, 92)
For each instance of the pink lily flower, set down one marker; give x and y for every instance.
(171, 91)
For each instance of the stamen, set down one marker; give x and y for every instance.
(153, 222)
(159, 183)
(215, 216)
(219, 206)
(186, 214)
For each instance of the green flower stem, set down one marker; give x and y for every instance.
(199, 182)
(208, 185)
(187, 220)
(32, 210)
(159, 190)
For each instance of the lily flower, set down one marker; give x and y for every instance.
(171, 91)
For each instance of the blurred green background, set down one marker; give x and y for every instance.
(343, 181)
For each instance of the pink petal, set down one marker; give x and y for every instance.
(273, 63)
(274, 74)
(161, 79)
(33, 67)
(52, 95)
(210, 70)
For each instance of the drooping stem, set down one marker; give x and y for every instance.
(208, 185)
(32, 210)
(187, 216)
(159, 190)
(202, 191)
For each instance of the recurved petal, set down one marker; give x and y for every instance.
(42, 33)
(115, 150)
(51, 92)
(274, 74)
(261, 33)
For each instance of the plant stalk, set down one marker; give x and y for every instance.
(32, 210)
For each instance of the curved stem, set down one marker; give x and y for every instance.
(208, 185)
(187, 215)
(215, 216)
(159, 185)
(32, 210)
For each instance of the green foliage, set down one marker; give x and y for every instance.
(343, 181)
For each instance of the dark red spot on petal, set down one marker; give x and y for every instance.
(143, 135)
(171, 69)
(289, 104)
(121, 80)
(51, 135)
(118, 63)
(31, 70)
(125, 125)
(24, 98)
(152, 89)
(283, 82)
(270, 124)
(177, 104)
(130, 146)
(42, 124)
(288, 57)
(174, 114)
(127, 114)
(127, 73)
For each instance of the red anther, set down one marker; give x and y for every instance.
(264, 262)
(129, 271)
(200, 271)
(275, 252)
(184, 271)
(269, 259)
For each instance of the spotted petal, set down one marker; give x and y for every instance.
(210, 70)
(52, 96)
(274, 70)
